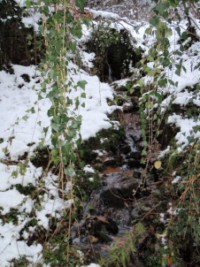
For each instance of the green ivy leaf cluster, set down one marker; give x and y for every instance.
(183, 230)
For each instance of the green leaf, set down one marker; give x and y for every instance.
(69, 18)
(32, 110)
(70, 172)
(72, 46)
(45, 130)
(162, 9)
(154, 21)
(179, 68)
(140, 82)
(162, 82)
(144, 152)
(28, 3)
(80, 4)
(149, 31)
(159, 97)
(83, 95)
(14, 174)
(76, 30)
(82, 84)
(178, 30)
(25, 117)
(22, 169)
(171, 81)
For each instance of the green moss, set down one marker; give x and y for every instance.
(108, 140)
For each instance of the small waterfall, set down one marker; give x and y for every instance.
(110, 77)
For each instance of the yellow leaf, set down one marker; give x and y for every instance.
(157, 164)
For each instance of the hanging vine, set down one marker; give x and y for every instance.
(61, 26)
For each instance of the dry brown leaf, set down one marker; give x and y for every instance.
(102, 219)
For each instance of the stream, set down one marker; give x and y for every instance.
(122, 202)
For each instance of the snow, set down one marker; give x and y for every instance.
(176, 179)
(21, 131)
(92, 265)
(14, 197)
(186, 130)
(94, 114)
(11, 248)
(11, 198)
(87, 59)
(9, 179)
(32, 21)
(104, 14)
(15, 101)
(88, 169)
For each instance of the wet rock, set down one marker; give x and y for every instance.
(119, 56)
(125, 149)
(166, 135)
(135, 102)
(109, 142)
(112, 198)
(122, 217)
(132, 160)
(135, 213)
(94, 229)
(109, 161)
(112, 227)
(119, 88)
(76, 241)
(136, 156)
(127, 107)
(118, 190)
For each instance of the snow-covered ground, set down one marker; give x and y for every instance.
(23, 118)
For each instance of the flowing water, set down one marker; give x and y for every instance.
(107, 217)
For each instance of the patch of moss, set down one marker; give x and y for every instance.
(108, 140)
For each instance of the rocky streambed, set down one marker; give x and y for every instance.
(108, 214)
(116, 226)
(117, 223)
